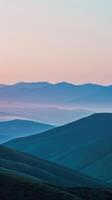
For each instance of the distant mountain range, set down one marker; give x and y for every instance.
(8, 116)
(27, 85)
(56, 104)
(56, 141)
(57, 94)
(84, 145)
(20, 128)
(53, 116)
(30, 85)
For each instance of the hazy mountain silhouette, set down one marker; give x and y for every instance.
(58, 103)
(84, 145)
(57, 94)
(31, 85)
(20, 128)
(7, 116)
(2, 85)
(49, 115)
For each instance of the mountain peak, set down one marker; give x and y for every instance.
(32, 84)
(64, 84)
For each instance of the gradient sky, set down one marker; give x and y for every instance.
(56, 40)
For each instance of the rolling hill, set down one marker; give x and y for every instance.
(84, 145)
(17, 187)
(20, 128)
(45, 171)
(23, 176)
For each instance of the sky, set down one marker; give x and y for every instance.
(56, 40)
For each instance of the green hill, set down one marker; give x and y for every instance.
(84, 145)
(21, 188)
(44, 170)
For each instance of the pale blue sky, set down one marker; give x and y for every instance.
(68, 40)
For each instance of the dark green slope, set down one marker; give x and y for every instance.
(43, 170)
(20, 128)
(91, 193)
(16, 187)
(84, 145)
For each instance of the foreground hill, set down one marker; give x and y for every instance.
(20, 128)
(85, 145)
(45, 171)
(20, 187)
(23, 176)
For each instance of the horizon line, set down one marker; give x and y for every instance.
(54, 83)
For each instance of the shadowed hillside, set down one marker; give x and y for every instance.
(44, 170)
(26, 177)
(19, 187)
(84, 145)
